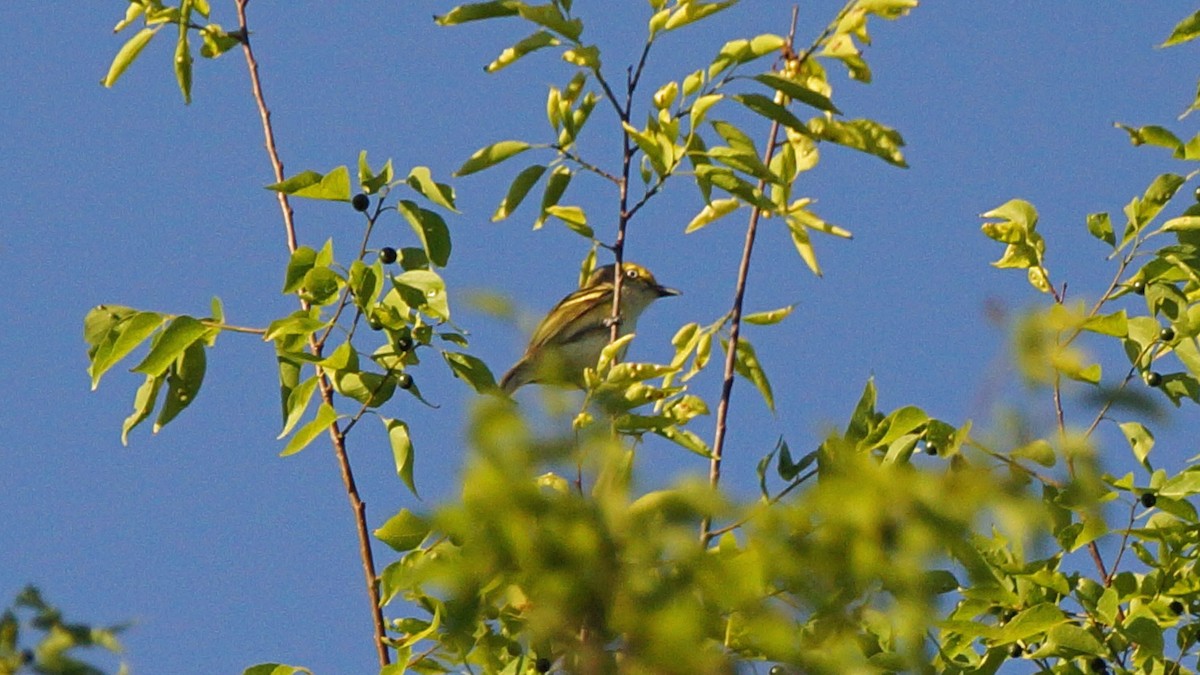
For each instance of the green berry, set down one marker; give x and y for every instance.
(360, 202)
(388, 255)
(404, 381)
(1167, 334)
(1176, 607)
(1153, 379)
(1139, 287)
(1148, 499)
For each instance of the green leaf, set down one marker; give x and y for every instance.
(1141, 210)
(539, 40)
(803, 244)
(1031, 623)
(573, 217)
(180, 334)
(556, 185)
(1141, 441)
(321, 286)
(763, 105)
(426, 290)
(183, 383)
(1185, 31)
(1100, 227)
(183, 63)
(584, 57)
(471, 370)
(741, 51)
(431, 229)
(333, 186)
(297, 404)
(404, 531)
(691, 12)
(128, 54)
(369, 389)
(302, 260)
(717, 208)
(769, 317)
(478, 11)
(326, 416)
(747, 365)
(863, 135)
(132, 13)
(121, 339)
(685, 439)
(726, 180)
(365, 283)
(1115, 324)
(549, 16)
(1038, 450)
(517, 191)
(300, 322)
(421, 180)
(795, 90)
(368, 179)
(402, 451)
(491, 155)
(143, 405)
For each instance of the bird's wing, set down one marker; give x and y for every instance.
(571, 310)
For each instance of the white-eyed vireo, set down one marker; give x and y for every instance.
(572, 335)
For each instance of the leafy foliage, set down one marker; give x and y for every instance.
(1002, 547)
(56, 652)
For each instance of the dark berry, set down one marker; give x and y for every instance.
(931, 448)
(1153, 379)
(1098, 665)
(403, 343)
(388, 255)
(1176, 607)
(1016, 651)
(27, 656)
(1139, 287)
(1197, 194)
(542, 665)
(360, 202)
(375, 323)
(1148, 499)
(404, 381)
(1167, 334)
(777, 670)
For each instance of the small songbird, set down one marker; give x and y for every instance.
(573, 334)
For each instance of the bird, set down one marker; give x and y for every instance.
(571, 336)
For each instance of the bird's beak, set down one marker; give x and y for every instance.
(663, 291)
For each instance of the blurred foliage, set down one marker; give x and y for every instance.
(34, 638)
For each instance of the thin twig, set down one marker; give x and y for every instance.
(336, 435)
(585, 165)
(735, 320)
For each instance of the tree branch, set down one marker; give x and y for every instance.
(336, 436)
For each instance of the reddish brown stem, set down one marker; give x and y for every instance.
(337, 436)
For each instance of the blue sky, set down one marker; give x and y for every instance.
(225, 555)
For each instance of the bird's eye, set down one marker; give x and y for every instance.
(631, 273)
